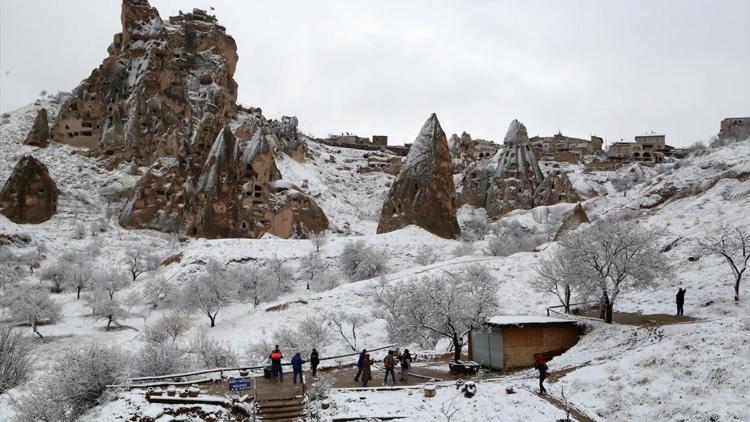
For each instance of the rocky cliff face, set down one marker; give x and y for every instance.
(39, 134)
(423, 193)
(29, 196)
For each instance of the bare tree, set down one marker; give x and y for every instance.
(318, 240)
(733, 244)
(156, 290)
(281, 274)
(308, 334)
(208, 293)
(110, 281)
(33, 306)
(211, 353)
(139, 261)
(425, 255)
(255, 284)
(106, 307)
(15, 357)
(447, 306)
(10, 268)
(77, 272)
(346, 325)
(555, 275)
(610, 256)
(55, 274)
(311, 267)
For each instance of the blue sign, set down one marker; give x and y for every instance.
(239, 384)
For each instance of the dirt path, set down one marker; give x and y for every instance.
(560, 404)
(641, 320)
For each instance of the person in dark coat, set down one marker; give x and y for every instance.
(366, 369)
(276, 357)
(542, 367)
(680, 300)
(314, 361)
(360, 364)
(297, 363)
(405, 359)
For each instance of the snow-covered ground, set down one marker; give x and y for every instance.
(692, 371)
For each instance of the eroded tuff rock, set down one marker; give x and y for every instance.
(39, 134)
(518, 174)
(29, 196)
(572, 220)
(555, 188)
(423, 193)
(238, 193)
(516, 183)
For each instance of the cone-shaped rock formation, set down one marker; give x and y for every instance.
(29, 196)
(39, 134)
(423, 193)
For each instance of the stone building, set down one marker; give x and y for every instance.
(29, 196)
(380, 140)
(735, 127)
(650, 148)
(560, 147)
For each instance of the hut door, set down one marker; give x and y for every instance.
(496, 349)
(480, 344)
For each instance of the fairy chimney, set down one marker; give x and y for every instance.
(29, 195)
(39, 134)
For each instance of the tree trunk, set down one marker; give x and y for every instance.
(33, 326)
(78, 292)
(608, 313)
(109, 322)
(567, 298)
(457, 345)
(213, 320)
(737, 288)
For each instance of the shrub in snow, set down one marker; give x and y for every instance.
(514, 238)
(326, 281)
(281, 274)
(77, 272)
(321, 387)
(425, 255)
(33, 306)
(11, 268)
(75, 384)
(444, 306)
(79, 231)
(98, 226)
(731, 243)
(476, 227)
(106, 307)
(463, 249)
(55, 275)
(318, 239)
(156, 290)
(15, 357)
(168, 327)
(210, 353)
(257, 353)
(360, 261)
(161, 359)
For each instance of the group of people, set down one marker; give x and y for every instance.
(394, 357)
(297, 362)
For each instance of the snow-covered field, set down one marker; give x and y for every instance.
(694, 371)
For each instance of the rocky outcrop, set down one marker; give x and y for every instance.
(465, 150)
(517, 176)
(423, 193)
(166, 86)
(238, 193)
(381, 161)
(39, 134)
(516, 183)
(29, 196)
(572, 220)
(555, 188)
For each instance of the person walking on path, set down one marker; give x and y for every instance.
(276, 357)
(542, 367)
(390, 364)
(297, 363)
(405, 359)
(360, 363)
(366, 369)
(680, 300)
(314, 362)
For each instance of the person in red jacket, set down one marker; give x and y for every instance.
(542, 367)
(276, 357)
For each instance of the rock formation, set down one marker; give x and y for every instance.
(516, 183)
(423, 193)
(572, 220)
(29, 196)
(238, 193)
(555, 188)
(39, 134)
(517, 176)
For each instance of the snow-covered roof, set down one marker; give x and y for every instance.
(521, 320)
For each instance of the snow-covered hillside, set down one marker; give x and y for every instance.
(693, 371)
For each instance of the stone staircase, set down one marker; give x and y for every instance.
(282, 402)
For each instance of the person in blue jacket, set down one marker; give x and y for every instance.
(297, 363)
(360, 364)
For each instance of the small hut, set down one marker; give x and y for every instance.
(510, 341)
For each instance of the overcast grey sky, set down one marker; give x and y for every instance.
(612, 68)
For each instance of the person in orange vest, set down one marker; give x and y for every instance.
(276, 357)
